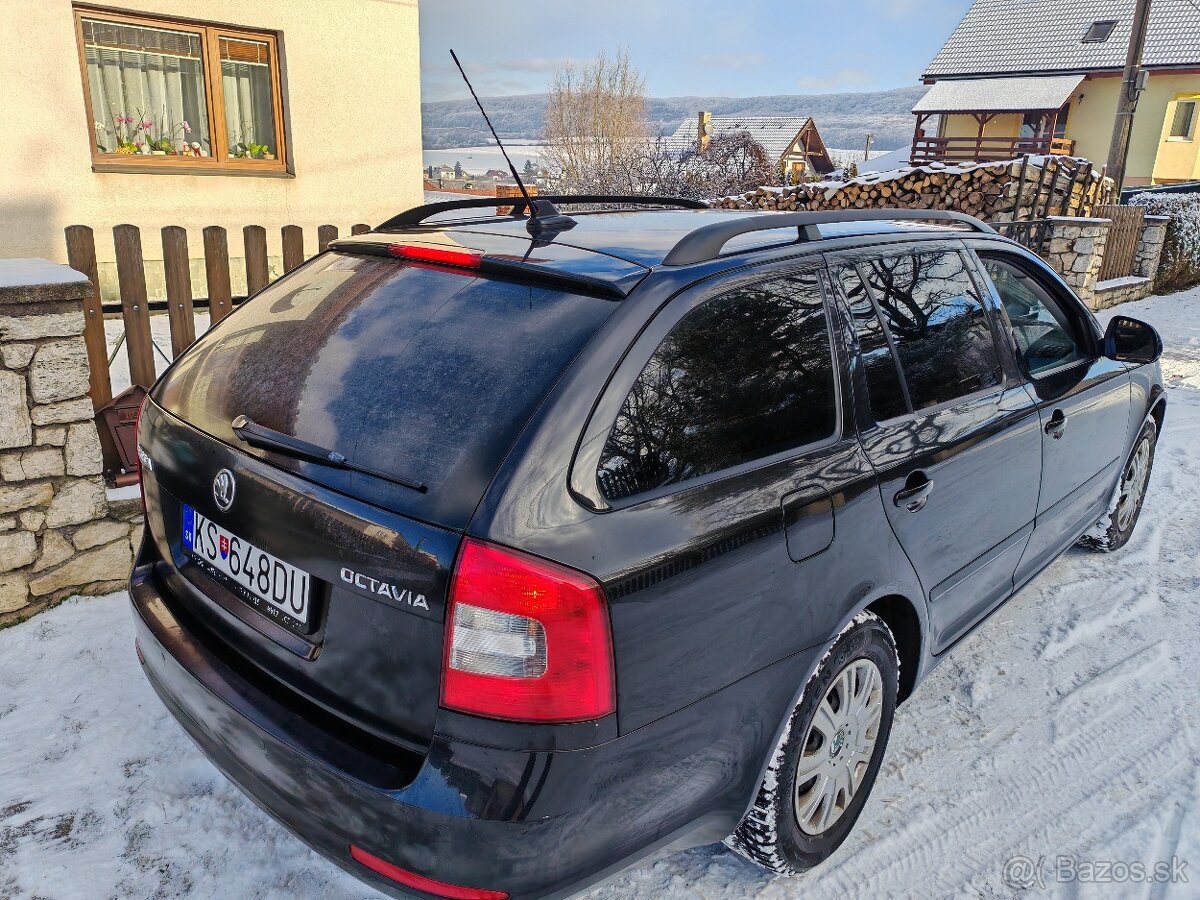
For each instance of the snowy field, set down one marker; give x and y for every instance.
(1067, 725)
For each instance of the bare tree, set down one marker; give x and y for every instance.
(730, 164)
(596, 127)
(598, 140)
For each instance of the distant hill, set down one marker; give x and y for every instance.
(844, 119)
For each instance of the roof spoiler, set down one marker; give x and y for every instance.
(471, 261)
(706, 243)
(545, 205)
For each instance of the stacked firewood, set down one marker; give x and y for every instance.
(997, 191)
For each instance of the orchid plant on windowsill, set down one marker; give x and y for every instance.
(168, 137)
(142, 135)
(129, 135)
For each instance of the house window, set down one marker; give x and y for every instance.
(1100, 31)
(180, 96)
(1185, 118)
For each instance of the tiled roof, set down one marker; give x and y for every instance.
(774, 133)
(1019, 93)
(1012, 36)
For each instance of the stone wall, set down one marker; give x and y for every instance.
(59, 535)
(1075, 249)
(1151, 245)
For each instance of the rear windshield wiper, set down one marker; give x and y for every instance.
(265, 438)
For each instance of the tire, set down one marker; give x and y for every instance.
(1116, 528)
(863, 663)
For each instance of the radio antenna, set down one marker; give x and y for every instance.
(543, 216)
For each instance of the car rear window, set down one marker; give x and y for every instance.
(424, 373)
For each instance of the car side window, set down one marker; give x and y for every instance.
(884, 389)
(744, 376)
(938, 325)
(1047, 338)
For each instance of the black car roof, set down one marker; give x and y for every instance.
(647, 237)
(611, 251)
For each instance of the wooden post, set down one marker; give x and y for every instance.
(257, 273)
(1085, 183)
(1127, 99)
(1037, 194)
(1053, 187)
(216, 267)
(131, 273)
(81, 255)
(359, 229)
(178, 272)
(1021, 189)
(325, 234)
(293, 246)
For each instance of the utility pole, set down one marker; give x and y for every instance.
(867, 151)
(1131, 87)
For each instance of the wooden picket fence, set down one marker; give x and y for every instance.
(1124, 235)
(180, 304)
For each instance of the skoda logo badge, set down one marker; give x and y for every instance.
(223, 489)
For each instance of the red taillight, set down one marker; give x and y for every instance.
(420, 882)
(137, 443)
(527, 640)
(463, 259)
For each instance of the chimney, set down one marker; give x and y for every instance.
(703, 131)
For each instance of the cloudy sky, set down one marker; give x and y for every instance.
(699, 47)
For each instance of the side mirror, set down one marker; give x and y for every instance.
(1128, 340)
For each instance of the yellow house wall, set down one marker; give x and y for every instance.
(1006, 126)
(1091, 125)
(351, 83)
(1152, 158)
(1177, 158)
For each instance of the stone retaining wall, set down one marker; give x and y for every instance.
(59, 535)
(1075, 249)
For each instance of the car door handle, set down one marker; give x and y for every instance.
(1057, 424)
(915, 494)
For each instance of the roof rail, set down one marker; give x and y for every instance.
(707, 242)
(419, 214)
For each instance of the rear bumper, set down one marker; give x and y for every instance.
(533, 824)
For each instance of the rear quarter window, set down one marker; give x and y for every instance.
(745, 376)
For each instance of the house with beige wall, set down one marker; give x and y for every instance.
(1018, 77)
(227, 112)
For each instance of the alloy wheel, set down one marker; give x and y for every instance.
(1133, 484)
(837, 750)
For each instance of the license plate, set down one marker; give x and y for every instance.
(266, 582)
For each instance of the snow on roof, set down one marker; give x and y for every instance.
(885, 162)
(1011, 36)
(999, 94)
(774, 133)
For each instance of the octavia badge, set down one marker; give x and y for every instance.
(223, 489)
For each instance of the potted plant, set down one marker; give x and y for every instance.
(128, 135)
(168, 136)
(245, 148)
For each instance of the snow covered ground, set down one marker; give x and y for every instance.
(1067, 725)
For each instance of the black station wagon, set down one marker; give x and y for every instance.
(492, 554)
